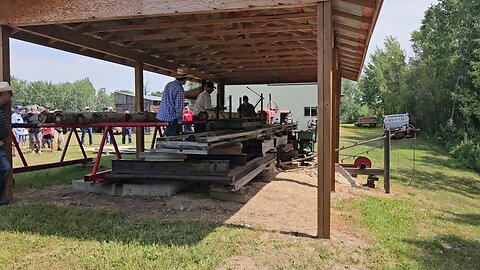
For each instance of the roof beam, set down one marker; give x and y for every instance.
(240, 49)
(35, 12)
(234, 32)
(73, 38)
(351, 16)
(244, 41)
(364, 3)
(199, 22)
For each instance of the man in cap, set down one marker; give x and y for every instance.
(246, 109)
(6, 92)
(203, 104)
(89, 130)
(171, 106)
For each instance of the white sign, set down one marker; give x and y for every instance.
(394, 121)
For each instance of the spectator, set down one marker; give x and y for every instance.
(49, 138)
(34, 134)
(5, 167)
(126, 131)
(187, 117)
(58, 135)
(19, 132)
(89, 130)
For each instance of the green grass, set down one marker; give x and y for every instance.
(430, 221)
(433, 219)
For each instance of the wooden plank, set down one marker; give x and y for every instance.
(362, 3)
(351, 29)
(188, 22)
(235, 160)
(229, 32)
(169, 167)
(353, 17)
(243, 41)
(366, 171)
(240, 50)
(139, 107)
(30, 12)
(73, 38)
(5, 76)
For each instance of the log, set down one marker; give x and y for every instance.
(65, 117)
(46, 117)
(142, 117)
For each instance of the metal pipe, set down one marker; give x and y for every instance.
(386, 156)
(261, 107)
(359, 143)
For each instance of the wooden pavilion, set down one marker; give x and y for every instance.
(226, 41)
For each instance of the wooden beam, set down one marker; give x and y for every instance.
(243, 55)
(215, 33)
(239, 49)
(139, 107)
(351, 29)
(363, 3)
(94, 44)
(188, 23)
(5, 76)
(350, 38)
(244, 41)
(351, 16)
(33, 12)
(324, 127)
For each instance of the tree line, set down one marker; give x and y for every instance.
(439, 87)
(62, 96)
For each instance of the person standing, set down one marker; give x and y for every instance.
(203, 104)
(171, 106)
(19, 132)
(6, 92)
(126, 131)
(85, 130)
(108, 140)
(187, 117)
(34, 134)
(246, 109)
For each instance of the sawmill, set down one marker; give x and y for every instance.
(231, 152)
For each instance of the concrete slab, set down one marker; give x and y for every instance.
(166, 188)
(105, 188)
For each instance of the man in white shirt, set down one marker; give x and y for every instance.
(204, 100)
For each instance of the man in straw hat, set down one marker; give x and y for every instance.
(6, 92)
(171, 106)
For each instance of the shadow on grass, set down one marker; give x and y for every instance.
(56, 176)
(469, 187)
(447, 252)
(102, 226)
(467, 219)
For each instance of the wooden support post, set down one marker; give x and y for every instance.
(324, 126)
(386, 155)
(220, 95)
(5, 76)
(139, 107)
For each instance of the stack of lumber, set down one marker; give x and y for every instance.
(230, 158)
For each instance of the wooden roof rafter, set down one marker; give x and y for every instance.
(242, 36)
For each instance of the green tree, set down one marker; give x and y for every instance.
(382, 82)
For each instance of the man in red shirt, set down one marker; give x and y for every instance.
(187, 117)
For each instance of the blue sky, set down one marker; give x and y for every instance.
(33, 62)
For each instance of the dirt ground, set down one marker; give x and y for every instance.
(286, 205)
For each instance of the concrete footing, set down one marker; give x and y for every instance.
(225, 193)
(166, 188)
